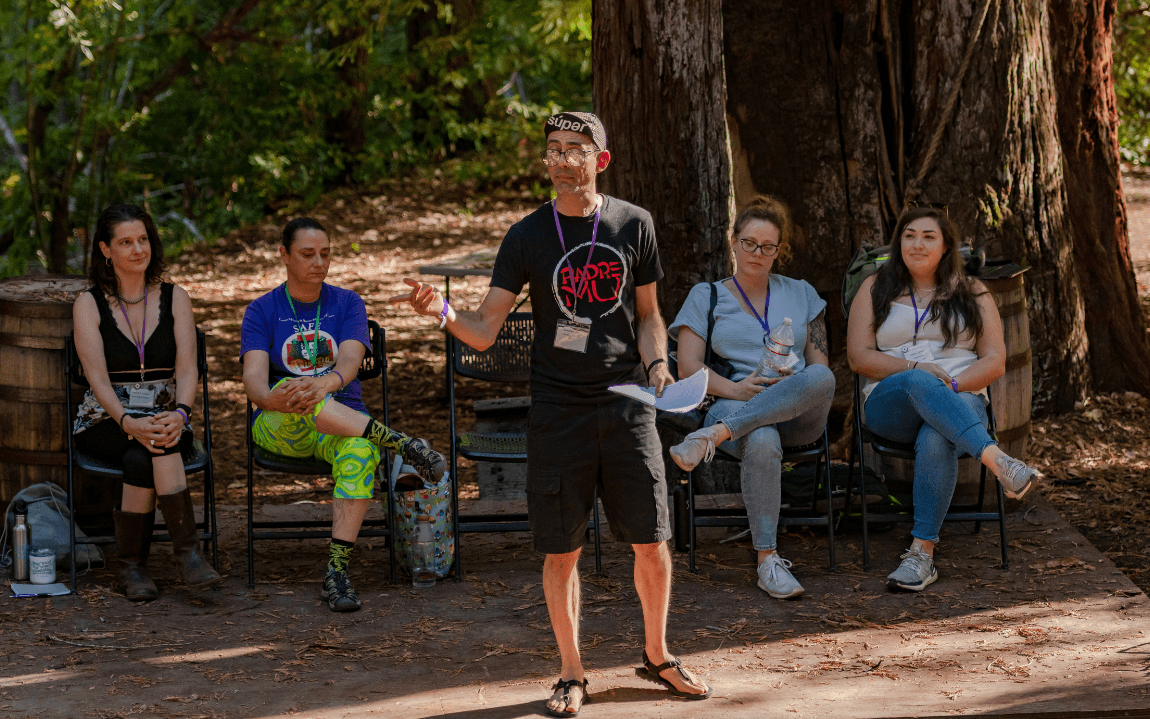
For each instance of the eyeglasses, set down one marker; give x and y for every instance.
(940, 206)
(575, 156)
(749, 246)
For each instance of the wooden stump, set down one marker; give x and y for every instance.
(35, 317)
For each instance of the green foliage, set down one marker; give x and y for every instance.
(1132, 79)
(215, 112)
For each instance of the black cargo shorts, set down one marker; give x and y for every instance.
(574, 448)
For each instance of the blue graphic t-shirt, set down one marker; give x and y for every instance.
(289, 337)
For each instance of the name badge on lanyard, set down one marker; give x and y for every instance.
(141, 397)
(918, 353)
(572, 335)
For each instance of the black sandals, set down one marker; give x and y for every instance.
(566, 687)
(650, 672)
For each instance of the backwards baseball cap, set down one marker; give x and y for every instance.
(584, 123)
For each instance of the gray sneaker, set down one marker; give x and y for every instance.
(775, 578)
(1016, 477)
(915, 574)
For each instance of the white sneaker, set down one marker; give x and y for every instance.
(775, 578)
(1016, 477)
(697, 447)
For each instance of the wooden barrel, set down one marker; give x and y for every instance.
(35, 317)
(1010, 394)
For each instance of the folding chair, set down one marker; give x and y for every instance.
(897, 450)
(818, 451)
(507, 360)
(199, 459)
(374, 365)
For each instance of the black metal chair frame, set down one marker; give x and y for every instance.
(200, 461)
(818, 451)
(374, 365)
(507, 360)
(898, 450)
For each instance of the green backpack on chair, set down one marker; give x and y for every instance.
(866, 261)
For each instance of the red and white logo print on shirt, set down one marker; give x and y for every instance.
(605, 277)
(297, 358)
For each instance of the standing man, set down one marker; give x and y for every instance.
(592, 263)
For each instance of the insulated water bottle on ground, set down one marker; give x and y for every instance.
(777, 349)
(21, 545)
(423, 553)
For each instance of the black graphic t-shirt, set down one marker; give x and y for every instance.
(625, 257)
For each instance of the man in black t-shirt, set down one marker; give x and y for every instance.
(591, 262)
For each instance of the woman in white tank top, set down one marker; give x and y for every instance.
(928, 341)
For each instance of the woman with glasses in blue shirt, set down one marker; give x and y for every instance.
(755, 416)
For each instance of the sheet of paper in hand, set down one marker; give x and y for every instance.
(683, 396)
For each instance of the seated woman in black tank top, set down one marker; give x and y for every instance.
(136, 340)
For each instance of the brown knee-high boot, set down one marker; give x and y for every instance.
(133, 542)
(181, 522)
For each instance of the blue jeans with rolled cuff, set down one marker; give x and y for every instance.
(916, 407)
(791, 412)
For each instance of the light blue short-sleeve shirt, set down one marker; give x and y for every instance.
(738, 336)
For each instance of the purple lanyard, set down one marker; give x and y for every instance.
(143, 331)
(917, 320)
(766, 306)
(594, 235)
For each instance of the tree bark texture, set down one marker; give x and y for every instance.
(659, 89)
(846, 111)
(1088, 128)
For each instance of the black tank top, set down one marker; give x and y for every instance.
(120, 353)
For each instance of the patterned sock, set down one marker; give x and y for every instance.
(381, 435)
(339, 553)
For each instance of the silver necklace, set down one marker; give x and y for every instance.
(136, 301)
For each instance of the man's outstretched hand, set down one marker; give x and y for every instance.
(423, 298)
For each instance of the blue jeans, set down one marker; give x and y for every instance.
(915, 406)
(793, 412)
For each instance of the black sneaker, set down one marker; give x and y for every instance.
(430, 464)
(338, 593)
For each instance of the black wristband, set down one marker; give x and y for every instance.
(654, 362)
(122, 418)
(186, 408)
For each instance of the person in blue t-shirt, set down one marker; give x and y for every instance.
(301, 346)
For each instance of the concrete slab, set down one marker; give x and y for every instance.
(1060, 632)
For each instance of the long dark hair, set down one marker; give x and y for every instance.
(954, 301)
(768, 209)
(100, 271)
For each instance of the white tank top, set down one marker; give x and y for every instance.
(896, 333)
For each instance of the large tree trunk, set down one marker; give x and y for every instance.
(835, 108)
(1088, 127)
(658, 85)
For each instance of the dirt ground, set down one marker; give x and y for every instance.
(1062, 629)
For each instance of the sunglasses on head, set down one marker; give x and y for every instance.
(940, 206)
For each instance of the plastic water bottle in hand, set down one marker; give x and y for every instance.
(777, 350)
